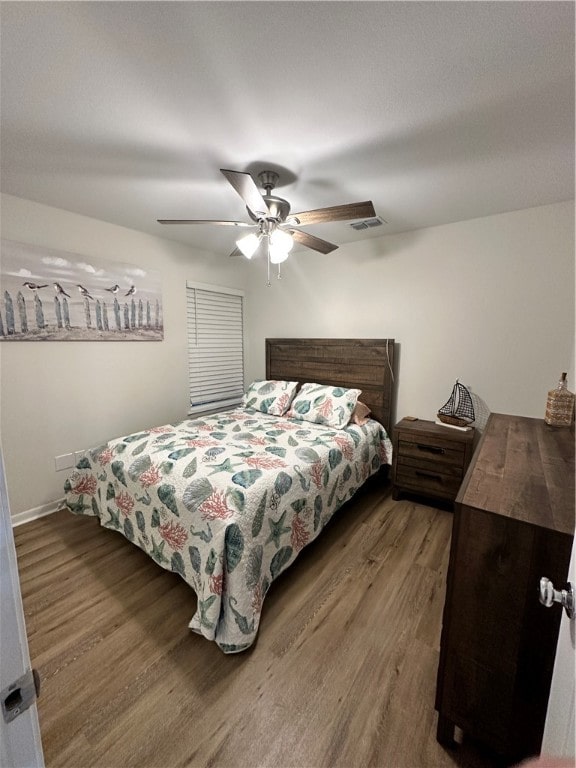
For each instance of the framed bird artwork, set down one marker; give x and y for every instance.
(49, 295)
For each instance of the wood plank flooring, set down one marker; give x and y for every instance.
(342, 676)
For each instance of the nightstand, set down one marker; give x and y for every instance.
(429, 459)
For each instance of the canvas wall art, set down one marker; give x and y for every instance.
(48, 295)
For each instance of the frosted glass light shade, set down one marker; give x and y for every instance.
(281, 240)
(248, 245)
(277, 256)
(280, 245)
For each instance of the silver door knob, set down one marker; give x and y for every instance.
(549, 596)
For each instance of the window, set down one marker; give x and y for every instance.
(215, 347)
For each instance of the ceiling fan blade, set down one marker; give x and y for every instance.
(206, 221)
(246, 187)
(363, 210)
(310, 241)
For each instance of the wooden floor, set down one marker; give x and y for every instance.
(342, 675)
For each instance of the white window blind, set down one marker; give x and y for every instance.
(215, 347)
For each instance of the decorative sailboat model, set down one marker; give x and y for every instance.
(458, 411)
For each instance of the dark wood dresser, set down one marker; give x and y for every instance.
(513, 524)
(429, 459)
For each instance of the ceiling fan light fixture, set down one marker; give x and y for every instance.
(249, 244)
(277, 255)
(279, 246)
(281, 240)
(271, 214)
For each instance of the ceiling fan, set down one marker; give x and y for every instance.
(272, 220)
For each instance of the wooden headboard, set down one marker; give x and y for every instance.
(365, 364)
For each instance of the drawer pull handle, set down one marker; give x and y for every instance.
(430, 475)
(430, 448)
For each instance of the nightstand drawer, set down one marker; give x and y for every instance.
(432, 464)
(427, 481)
(426, 449)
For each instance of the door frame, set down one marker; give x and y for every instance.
(20, 742)
(558, 740)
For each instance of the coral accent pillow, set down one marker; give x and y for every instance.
(361, 414)
(273, 397)
(332, 406)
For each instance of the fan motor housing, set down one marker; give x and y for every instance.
(278, 207)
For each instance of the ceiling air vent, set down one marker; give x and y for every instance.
(368, 223)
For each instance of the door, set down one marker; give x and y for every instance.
(559, 729)
(20, 745)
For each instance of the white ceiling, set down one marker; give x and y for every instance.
(436, 111)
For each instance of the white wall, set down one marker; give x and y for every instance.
(59, 397)
(489, 301)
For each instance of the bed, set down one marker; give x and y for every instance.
(228, 500)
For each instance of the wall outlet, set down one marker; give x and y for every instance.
(78, 455)
(65, 461)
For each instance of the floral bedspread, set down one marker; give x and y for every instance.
(227, 501)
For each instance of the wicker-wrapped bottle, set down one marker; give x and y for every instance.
(560, 405)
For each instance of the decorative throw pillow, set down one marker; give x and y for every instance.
(361, 414)
(332, 406)
(273, 397)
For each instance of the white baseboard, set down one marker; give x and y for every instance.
(33, 514)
